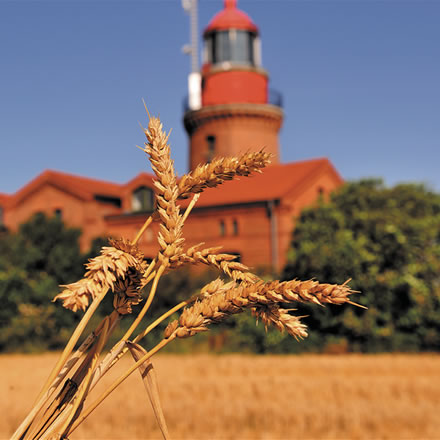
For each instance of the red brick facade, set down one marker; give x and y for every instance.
(252, 217)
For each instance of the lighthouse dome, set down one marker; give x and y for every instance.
(231, 18)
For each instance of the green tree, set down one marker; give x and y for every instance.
(388, 241)
(42, 254)
(44, 244)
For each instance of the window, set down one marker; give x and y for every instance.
(242, 47)
(115, 201)
(210, 140)
(222, 228)
(58, 214)
(234, 227)
(143, 199)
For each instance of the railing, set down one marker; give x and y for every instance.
(274, 98)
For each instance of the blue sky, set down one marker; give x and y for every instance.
(360, 81)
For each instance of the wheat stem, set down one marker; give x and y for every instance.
(142, 230)
(120, 348)
(110, 359)
(85, 384)
(59, 365)
(67, 367)
(113, 319)
(146, 279)
(55, 412)
(121, 379)
(150, 268)
(161, 318)
(74, 339)
(190, 206)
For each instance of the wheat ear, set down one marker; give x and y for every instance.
(166, 190)
(224, 262)
(220, 170)
(264, 298)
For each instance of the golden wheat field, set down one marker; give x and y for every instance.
(253, 397)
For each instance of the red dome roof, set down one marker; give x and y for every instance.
(231, 18)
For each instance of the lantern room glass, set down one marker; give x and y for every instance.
(233, 45)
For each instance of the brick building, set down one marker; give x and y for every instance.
(230, 110)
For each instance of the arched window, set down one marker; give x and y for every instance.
(142, 199)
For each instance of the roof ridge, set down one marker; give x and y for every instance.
(318, 164)
(80, 177)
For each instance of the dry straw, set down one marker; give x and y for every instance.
(120, 268)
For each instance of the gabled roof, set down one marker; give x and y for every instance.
(142, 179)
(275, 182)
(82, 187)
(4, 199)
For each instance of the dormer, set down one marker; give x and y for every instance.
(142, 199)
(138, 194)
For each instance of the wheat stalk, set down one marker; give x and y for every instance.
(120, 268)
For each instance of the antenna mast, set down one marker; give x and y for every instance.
(194, 81)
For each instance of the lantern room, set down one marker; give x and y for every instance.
(232, 37)
(233, 46)
(231, 71)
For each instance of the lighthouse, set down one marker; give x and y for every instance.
(230, 110)
(235, 112)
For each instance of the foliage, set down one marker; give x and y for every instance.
(42, 254)
(45, 245)
(388, 241)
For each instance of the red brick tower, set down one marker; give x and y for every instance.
(237, 112)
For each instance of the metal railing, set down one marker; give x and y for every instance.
(274, 98)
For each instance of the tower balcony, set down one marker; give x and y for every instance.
(274, 98)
